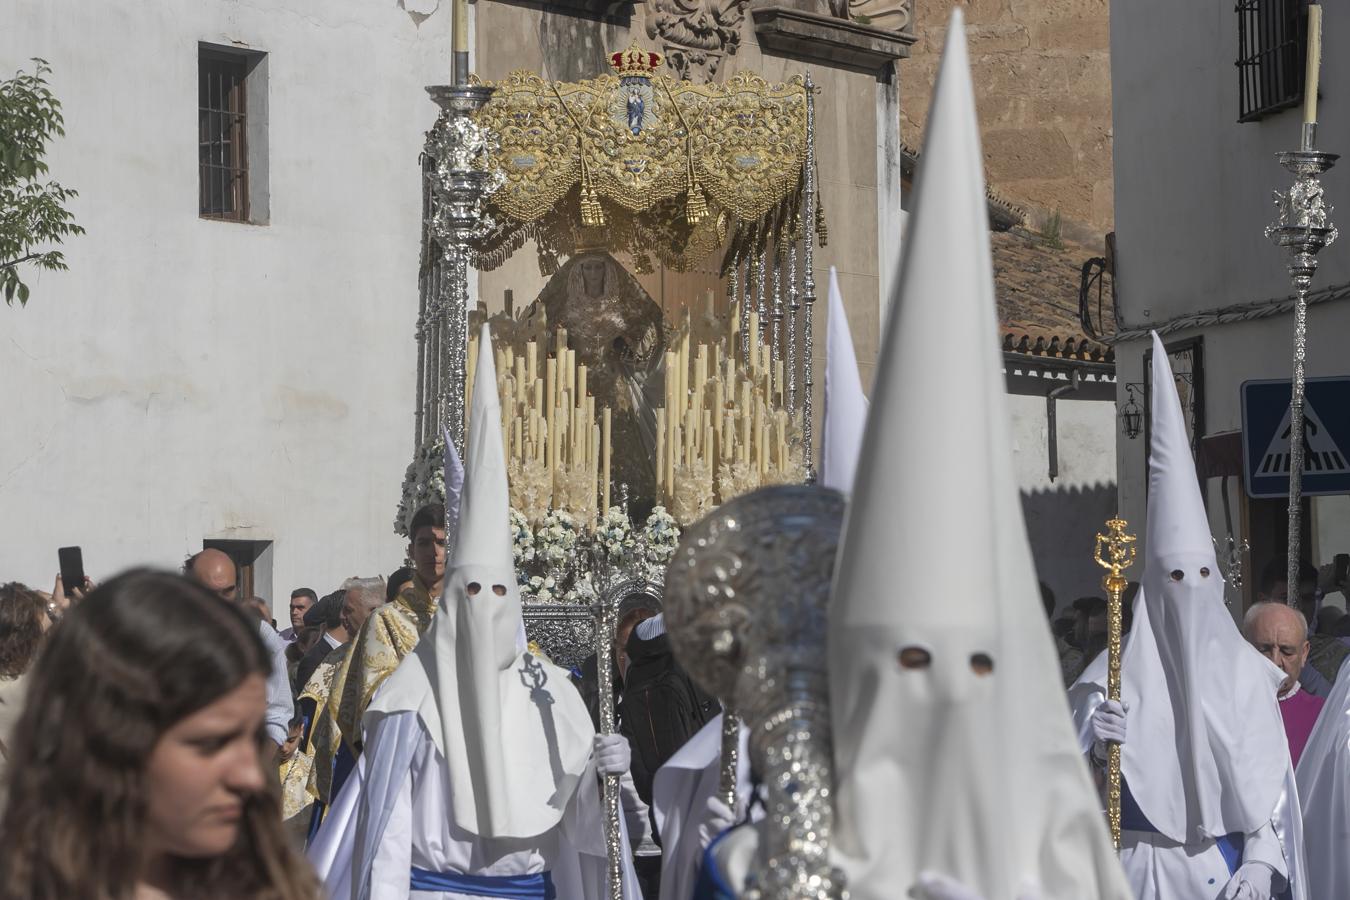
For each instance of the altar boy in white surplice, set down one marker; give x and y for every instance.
(480, 775)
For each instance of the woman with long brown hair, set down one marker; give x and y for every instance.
(23, 621)
(137, 771)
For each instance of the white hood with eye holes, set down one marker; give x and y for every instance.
(515, 734)
(939, 765)
(1206, 753)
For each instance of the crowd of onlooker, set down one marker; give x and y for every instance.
(158, 730)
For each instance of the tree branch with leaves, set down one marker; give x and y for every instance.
(33, 214)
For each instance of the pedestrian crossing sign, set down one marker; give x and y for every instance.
(1326, 437)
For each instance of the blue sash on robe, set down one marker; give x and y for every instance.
(711, 884)
(538, 886)
(1132, 818)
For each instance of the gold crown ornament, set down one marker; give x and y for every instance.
(635, 62)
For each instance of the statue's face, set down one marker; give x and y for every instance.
(593, 276)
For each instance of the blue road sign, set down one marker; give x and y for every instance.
(1326, 437)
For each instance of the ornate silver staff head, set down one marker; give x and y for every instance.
(746, 599)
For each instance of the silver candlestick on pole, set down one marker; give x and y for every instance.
(461, 182)
(1303, 229)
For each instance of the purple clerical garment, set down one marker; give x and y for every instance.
(1299, 710)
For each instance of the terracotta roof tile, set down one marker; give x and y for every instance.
(1037, 288)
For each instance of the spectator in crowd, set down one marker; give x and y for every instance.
(60, 599)
(1090, 626)
(215, 571)
(1325, 652)
(1280, 633)
(586, 677)
(305, 640)
(314, 687)
(301, 600)
(23, 622)
(401, 577)
(296, 764)
(260, 608)
(662, 707)
(394, 629)
(327, 616)
(361, 597)
(138, 765)
(1328, 620)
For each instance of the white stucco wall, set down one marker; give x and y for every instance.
(1193, 196)
(1193, 187)
(190, 379)
(1064, 516)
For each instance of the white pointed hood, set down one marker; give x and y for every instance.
(1206, 753)
(454, 489)
(938, 766)
(845, 402)
(514, 733)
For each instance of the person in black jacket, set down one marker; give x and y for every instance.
(662, 707)
(586, 676)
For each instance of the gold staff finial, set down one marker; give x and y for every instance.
(1115, 552)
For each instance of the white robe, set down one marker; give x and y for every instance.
(1158, 868)
(1324, 791)
(680, 792)
(391, 817)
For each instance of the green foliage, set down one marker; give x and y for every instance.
(32, 210)
(1052, 230)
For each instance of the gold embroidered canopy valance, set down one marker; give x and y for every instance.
(641, 162)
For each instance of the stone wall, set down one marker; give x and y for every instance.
(1042, 71)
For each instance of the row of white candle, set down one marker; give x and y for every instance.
(549, 417)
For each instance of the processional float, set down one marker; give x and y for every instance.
(662, 171)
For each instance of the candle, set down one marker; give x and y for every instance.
(461, 27)
(660, 450)
(604, 454)
(531, 354)
(595, 468)
(519, 438)
(1313, 71)
(782, 443)
(550, 388)
(581, 382)
(470, 373)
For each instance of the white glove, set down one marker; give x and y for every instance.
(1108, 726)
(717, 818)
(612, 754)
(1252, 881)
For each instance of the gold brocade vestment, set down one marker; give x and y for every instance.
(391, 633)
(323, 733)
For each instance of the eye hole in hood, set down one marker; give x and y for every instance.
(915, 658)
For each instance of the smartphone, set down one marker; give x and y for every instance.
(72, 567)
(1342, 567)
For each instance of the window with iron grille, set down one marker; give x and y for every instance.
(222, 136)
(1271, 53)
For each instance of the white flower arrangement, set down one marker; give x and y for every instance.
(423, 483)
(660, 538)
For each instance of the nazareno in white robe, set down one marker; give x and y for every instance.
(391, 817)
(680, 793)
(1158, 868)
